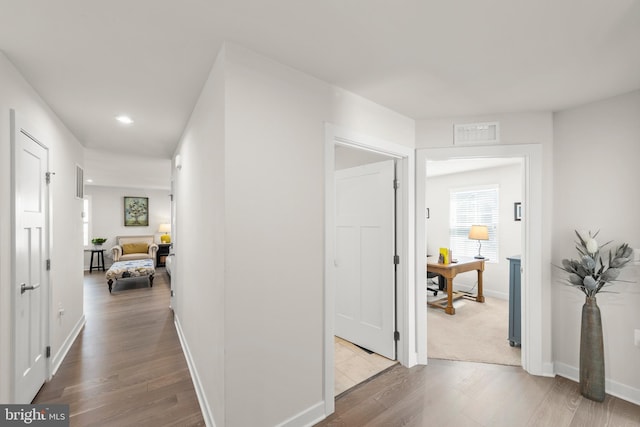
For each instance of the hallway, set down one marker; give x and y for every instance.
(126, 367)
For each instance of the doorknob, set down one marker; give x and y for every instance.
(24, 287)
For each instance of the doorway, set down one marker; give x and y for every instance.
(459, 193)
(365, 221)
(405, 249)
(535, 305)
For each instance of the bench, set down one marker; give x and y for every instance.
(130, 269)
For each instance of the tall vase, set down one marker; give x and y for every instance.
(591, 352)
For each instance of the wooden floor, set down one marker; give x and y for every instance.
(465, 394)
(127, 367)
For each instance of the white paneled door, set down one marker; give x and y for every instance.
(365, 249)
(30, 280)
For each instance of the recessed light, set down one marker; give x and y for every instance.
(89, 180)
(124, 119)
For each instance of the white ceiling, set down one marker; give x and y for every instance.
(448, 167)
(93, 60)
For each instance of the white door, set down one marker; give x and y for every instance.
(31, 276)
(365, 249)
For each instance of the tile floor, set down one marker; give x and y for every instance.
(353, 365)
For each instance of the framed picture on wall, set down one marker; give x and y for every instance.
(136, 211)
(517, 211)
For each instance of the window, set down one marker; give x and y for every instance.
(85, 221)
(474, 206)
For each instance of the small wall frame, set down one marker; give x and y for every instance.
(517, 211)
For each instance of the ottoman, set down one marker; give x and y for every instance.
(130, 269)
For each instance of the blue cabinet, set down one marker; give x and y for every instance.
(514, 301)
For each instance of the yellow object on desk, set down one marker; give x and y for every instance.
(445, 256)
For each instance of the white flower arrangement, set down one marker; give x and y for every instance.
(590, 273)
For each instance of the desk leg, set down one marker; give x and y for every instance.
(449, 309)
(480, 296)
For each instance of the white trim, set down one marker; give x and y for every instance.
(611, 387)
(308, 417)
(207, 413)
(534, 340)
(57, 360)
(405, 303)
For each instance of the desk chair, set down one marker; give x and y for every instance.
(441, 286)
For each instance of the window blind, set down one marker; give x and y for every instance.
(469, 207)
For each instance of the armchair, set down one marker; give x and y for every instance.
(134, 247)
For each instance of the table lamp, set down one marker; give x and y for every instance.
(165, 228)
(479, 232)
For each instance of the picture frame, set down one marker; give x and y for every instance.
(136, 211)
(517, 211)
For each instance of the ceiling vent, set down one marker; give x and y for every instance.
(476, 133)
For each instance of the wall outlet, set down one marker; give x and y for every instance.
(636, 337)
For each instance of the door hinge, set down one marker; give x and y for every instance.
(48, 265)
(48, 351)
(48, 176)
(171, 292)
(396, 184)
(396, 259)
(396, 336)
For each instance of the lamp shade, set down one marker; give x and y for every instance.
(165, 228)
(479, 232)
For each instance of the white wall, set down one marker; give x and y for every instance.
(66, 244)
(199, 242)
(596, 175)
(272, 214)
(107, 215)
(509, 181)
(347, 157)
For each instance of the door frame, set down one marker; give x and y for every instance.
(18, 124)
(406, 352)
(535, 303)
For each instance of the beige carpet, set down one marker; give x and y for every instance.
(476, 333)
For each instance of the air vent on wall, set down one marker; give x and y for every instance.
(476, 133)
(79, 182)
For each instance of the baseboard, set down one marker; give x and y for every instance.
(66, 345)
(207, 413)
(308, 417)
(548, 370)
(611, 387)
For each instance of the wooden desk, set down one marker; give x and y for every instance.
(449, 271)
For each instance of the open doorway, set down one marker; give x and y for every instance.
(403, 337)
(459, 193)
(365, 224)
(536, 342)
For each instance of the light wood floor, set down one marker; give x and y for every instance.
(353, 365)
(127, 367)
(464, 394)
